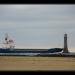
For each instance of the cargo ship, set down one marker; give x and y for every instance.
(9, 49)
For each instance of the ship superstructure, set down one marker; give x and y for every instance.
(8, 42)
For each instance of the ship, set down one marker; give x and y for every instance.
(9, 49)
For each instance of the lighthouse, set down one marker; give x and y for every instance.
(65, 50)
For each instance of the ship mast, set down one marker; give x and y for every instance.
(6, 38)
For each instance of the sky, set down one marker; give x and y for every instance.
(38, 25)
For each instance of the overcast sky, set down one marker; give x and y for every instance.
(38, 26)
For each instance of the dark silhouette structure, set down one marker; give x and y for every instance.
(65, 50)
